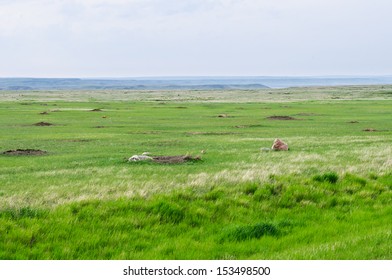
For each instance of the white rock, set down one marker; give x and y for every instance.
(139, 158)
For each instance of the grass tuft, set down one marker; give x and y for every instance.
(251, 188)
(168, 212)
(23, 212)
(247, 232)
(330, 177)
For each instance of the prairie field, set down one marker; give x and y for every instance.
(328, 197)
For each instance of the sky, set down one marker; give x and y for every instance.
(144, 38)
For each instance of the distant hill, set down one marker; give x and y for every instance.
(184, 83)
(136, 84)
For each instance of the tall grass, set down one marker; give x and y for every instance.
(285, 219)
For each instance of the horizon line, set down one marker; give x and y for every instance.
(200, 77)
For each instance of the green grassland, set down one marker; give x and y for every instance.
(328, 197)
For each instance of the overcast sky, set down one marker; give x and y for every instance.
(133, 38)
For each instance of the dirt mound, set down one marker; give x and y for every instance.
(96, 110)
(353, 122)
(44, 113)
(43, 124)
(283, 118)
(370, 129)
(174, 159)
(24, 152)
(224, 116)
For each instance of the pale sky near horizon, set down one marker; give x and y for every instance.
(134, 38)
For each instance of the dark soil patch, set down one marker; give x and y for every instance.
(353, 122)
(99, 126)
(43, 124)
(370, 130)
(44, 113)
(174, 159)
(96, 110)
(181, 107)
(24, 152)
(282, 118)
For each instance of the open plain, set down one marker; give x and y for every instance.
(73, 194)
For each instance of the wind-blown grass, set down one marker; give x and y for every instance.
(284, 219)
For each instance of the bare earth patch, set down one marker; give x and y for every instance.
(96, 110)
(24, 152)
(282, 118)
(370, 130)
(43, 124)
(174, 159)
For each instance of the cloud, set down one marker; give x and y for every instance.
(174, 37)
